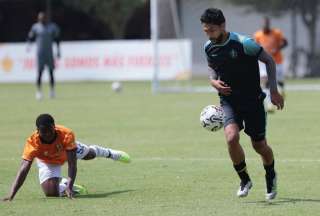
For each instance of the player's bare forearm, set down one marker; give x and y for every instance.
(218, 84)
(72, 167)
(20, 178)
(276, 98)
(271, 70)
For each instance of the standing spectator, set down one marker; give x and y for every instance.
(273, 41)
(45, 33)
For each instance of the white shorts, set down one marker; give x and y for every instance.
(47, 171)
(279, 71)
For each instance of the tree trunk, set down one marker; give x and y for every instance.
(294, 50)
(309, 16)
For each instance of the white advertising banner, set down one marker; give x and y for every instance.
(100, 60)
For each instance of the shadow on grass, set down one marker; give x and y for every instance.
(285, 200)
(103, 195)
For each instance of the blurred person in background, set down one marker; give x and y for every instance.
(273, 41)
(44, 33)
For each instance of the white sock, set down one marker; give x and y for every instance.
(101, 151)
(82, 150)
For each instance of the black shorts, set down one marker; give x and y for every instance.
(247, 114)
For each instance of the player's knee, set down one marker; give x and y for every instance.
(51, 187)
(91, 155)
(259, 146)
(83, 150)
(232, 138)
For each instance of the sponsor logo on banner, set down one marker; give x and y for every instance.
(100, 60)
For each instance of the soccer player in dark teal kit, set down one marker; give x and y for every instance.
(234, 73)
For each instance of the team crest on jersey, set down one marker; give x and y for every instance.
(233, 53)
(59, 147)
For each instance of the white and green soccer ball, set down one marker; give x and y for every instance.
(211, 118)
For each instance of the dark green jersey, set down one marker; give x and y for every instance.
(236, 63)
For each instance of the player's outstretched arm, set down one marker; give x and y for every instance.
(31, 37)
(18, 182)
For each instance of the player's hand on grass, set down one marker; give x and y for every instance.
(221, 87)
(69, 193)
(277, 100)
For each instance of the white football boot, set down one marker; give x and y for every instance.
(271, 188)
(119, 156)
(39, 95)
(244, 189)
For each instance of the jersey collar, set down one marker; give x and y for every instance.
(221, 45)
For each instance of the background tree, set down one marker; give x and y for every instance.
(78, 19)
(114, 12)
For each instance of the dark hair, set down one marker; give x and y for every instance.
(212, 16)
(44, 120)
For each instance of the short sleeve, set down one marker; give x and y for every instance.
(256, 37)
(29, 151)
(69, 141)
(279, 36)
(205, 48)
(251, 48)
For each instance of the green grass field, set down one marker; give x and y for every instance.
(178, 168)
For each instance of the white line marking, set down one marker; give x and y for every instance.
(287, 160)
(208, 89)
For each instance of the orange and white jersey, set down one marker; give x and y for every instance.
(54, 153)
(271, 42)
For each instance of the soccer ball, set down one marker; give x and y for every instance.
(116, 86)
(211, 117)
